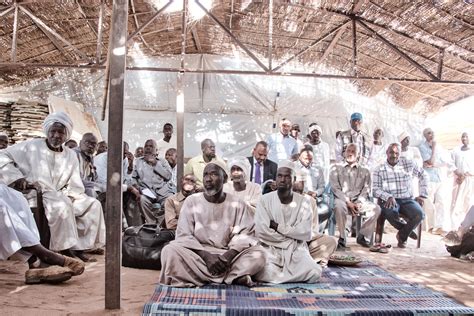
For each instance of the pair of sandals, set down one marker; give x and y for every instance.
(382, 248)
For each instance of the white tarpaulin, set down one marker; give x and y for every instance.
(234, 110)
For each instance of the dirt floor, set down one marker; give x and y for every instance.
(84, 295)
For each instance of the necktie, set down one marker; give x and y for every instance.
(258, 176)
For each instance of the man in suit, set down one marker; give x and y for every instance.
(262, 169)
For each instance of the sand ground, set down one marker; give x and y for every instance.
(430, 265)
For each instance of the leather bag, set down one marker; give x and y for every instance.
(142, 245)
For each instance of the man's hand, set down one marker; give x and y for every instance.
(215, 265)
(460, 178)
(427, 164)
(273, 225)
(135, 192)
(390, 203)
(420, 200)
(150, 159)
(20, 185)
(352, 208)
(228, 256)
(130, 158)
(273, 185)
(312, 194)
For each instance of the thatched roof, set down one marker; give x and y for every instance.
(422, 30)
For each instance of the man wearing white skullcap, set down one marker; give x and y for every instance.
(76, 221)
(240, 184)
(283, 222)
(321, 156)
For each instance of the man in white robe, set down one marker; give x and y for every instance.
(214, 239)
(283, 225)
(75, 220)
(19, 239)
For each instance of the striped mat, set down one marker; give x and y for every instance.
(363, 290)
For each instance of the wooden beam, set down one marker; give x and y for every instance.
(137, 26)
(196, 39)
(304, 50)
(332, 44)
(354, 47)
(89, 23)
(5, 12)
(117, 62)
(54, 41)
(357, 6)
(440, 63)
(270, 33)
(397, 50)
(39, 22)
(232, 36)
(15, 33)
(151, 19)
(100, 30)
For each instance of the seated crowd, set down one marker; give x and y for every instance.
(261, 218)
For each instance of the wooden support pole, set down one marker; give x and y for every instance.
(270, 33)
(354, 47)
(236, 40)
(15, 34)
(117, 62)
(100, 29)
(440, 63)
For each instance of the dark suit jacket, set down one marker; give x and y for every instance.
(269, 169)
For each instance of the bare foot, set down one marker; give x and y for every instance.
(245, 280)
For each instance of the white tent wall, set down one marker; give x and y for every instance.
(234, 110)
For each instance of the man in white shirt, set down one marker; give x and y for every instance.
(321, 155)
(167, 142)
(281, 145)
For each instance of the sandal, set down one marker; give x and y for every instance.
(382, 248)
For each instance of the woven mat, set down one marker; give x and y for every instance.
(363, 290)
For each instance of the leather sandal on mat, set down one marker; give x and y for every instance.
(382, 248)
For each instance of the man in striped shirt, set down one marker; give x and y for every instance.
(392, 185)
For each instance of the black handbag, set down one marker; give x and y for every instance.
(142, 245)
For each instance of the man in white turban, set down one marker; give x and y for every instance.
(320, 149)
(76, 221)
(240, 184)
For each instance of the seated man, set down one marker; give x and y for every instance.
(392, 187)
(174, 203)
(313, 183)
(196, 164)
(75, 220)
(102, 147)
(240, 184)
(283, 226)
(19, 238)
(3, 140)
(214, 239)
(151, 176)
(460, 243)
(85, 154)
(350, 183)
(171, 156)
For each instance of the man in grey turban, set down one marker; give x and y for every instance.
(76, 221)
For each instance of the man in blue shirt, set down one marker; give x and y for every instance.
(281, 145)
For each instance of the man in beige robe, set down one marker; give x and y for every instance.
(283, 225)
(214, 240)
(75, 220)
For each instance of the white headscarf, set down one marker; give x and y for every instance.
(315, 127)
(241, 162)
(58, 117)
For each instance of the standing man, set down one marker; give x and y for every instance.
(463, 188)
(295, 133)
(85, 155)
(75, 220)
(350, 183)
(261, 168)
(139, 152)
(102, 147)
(356, 136)
(167, 142)
(3, 140)
(197, 164)
(377, 152)
(321, 156)
(392, 186)
(214, 240)
(283, 224)
(409, 152)
(432, 155)
(150, 176)
(281, 145)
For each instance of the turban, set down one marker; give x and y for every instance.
(288, 164)
(243, 163)
(315, 127)
(402, 136)
(221, 165)
(58, 117)
(356, 116)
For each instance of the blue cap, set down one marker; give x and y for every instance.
(356, 116)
